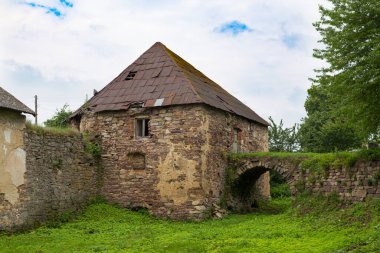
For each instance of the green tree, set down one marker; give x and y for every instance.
(350, 31)
(282, 139)
(60, 117)
(321, 130)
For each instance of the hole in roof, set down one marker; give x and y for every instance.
(131, 75)
(158, 102)
(136, 105)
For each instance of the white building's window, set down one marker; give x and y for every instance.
(142, 127)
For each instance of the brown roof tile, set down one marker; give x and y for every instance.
(168, 76)
(10, 102)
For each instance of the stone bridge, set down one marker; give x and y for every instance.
(261, 164)
(248, 176)
(245, 184)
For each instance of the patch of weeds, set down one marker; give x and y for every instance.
(60, 218)
(312, 179)
(372, 154)
(278, 185)
(208, 213)
(300, 186)
(280, 191)
(97, 200)
(371, 182)
(316, 204)
(51, 130)
(91, 147)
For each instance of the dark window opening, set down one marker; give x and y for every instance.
(142, 127)
(131, 75)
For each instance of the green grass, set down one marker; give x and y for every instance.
(107, 228)
(316, 162)
(364, 154)
(51, 130)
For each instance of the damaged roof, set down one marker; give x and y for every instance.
(159, 77)
(10, 102)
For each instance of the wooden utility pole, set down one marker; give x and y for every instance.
(35, 109)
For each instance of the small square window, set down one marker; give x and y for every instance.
(142, 127)
(131, 75)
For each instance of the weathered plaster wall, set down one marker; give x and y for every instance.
(184, 157)
(59, 177)
(12, 154)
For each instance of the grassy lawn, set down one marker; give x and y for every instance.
(297, 228)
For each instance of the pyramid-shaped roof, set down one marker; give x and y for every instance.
(159, 77)
(10, 102)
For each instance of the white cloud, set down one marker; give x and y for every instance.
(62, 59)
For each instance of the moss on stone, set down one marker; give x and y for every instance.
(316, 162)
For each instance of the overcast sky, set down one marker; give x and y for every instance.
(258, 50)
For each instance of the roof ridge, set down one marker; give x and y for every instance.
(183, 69)
(169, 53)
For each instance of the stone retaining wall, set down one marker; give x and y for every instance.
(59, 177)
(352, 183)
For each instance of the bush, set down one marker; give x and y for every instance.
(280, 191)
(91, 147)
(278, 186)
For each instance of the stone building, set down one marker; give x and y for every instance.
(165, 130)
(42, 174)
(12, 152)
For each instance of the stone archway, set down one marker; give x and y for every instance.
(247, 181)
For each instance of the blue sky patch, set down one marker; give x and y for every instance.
(51, 9)
(66, 3)
(234, 28)
(291, 41)
(48, 9)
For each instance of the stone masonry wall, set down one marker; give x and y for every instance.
(161, 172)
(59, 177)
(184, 157)
(353, 184)
(253, 137)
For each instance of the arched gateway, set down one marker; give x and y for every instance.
(243, 187)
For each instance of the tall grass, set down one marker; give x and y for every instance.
(51, 130)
